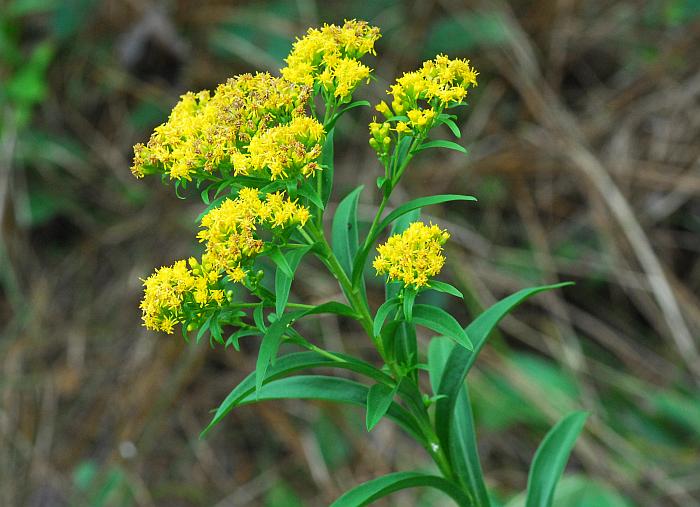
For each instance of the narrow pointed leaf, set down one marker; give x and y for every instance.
(292, 363)
(344, 235)
(409, 298)
(464, 451)
(440, 143)
(382, 313)
(327, 170)
(461, 360)
(373, 490)
(379, 398)
(321, 387)
(283, 282)
(445, 287)
(331, 123)
(361, 258)
(551, 458)
(310, 193)
(440, 321)
(270, 344)
(280, 260)
(453, 127)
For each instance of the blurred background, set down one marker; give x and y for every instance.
(583, 138)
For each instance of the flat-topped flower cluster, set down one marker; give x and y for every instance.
(259, 137)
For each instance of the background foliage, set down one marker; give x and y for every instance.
(583, 153)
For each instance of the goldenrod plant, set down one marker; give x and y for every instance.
(260, 151)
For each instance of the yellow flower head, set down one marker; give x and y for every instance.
(413, 256)
(329, 55)
(421, 96)
(439, 82)
(170, 288)
(232, 230)
(207, 132)
(284, 151)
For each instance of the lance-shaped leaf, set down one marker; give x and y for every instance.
(373, 490)
(441, 322)
(327, 168)
(320, 387)
(359, 103)
(344, 234)
(440, 143)
(383, 312)
(463, 449)
(292, 363)
(361, 258)
(379, 398)
(461, 360)
(283, 282)
(550, 459)
(272, 339)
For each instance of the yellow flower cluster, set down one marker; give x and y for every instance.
(171, 288)
(231, 233)
(206, 132)
(420, 96)
(329, 55)
(414, 256)
(285, 150)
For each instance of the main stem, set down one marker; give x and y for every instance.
(359, 304)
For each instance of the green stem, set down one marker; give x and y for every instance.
(353, 294)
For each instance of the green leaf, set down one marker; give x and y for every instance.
(361, 257)
(440, 321)
(379, 398)
(550, 459)
(580, 491)
(327, 164)
(310, 193)
(281, 261)
(419, 203)
(464, 451)
(273, 335)
(445, 287)
(331, 123)
(370, 491)
(461, 360)
(320, 387)
(241, 333)
(204, 328)
(292, 363)
(453, 127)
(344, 230)
(439, 350)
(441, 143)
(283, 282)
(270, 345)
(409, 298)
(382, 314)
